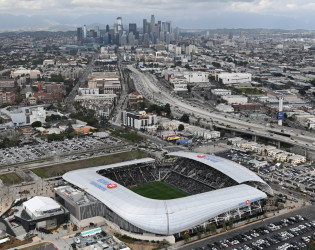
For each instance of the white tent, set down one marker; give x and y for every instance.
(38, 205)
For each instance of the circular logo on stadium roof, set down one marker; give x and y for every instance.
(111, 185)
(247, 202)
(201, 156)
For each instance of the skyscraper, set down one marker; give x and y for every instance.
(84, 32)
(106, 38)
(168, 27)
(145, 26)
(119, 25)
(131, 39)
(79, 34)
(133, 28)
(152, 25)
(107, 28)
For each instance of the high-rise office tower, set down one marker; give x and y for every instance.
(84, 31)
(131, 39)
(162, 36)
(176, 33)
(167, 38)
(133, 28)
(163, 27)
(146, 39)
(119, 26)
(152, 25)
(107, 28)
(106, 39)
(145, 26)
(79, 34)
(97, 30)
(111, 36)
(168, 27)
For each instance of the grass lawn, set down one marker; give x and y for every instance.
(11, 178)
(158, 191)
(60, 169)
(251, 91)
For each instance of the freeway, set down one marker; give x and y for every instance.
(152, 91)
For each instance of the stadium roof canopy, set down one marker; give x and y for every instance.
(164, 217)
(232, 169)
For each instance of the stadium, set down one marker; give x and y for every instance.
(185, 193)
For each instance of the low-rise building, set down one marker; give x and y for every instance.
(235, 99)
(233, 78)
(221, 92)
(25, 115)
(247, 107)
(41, 212)
(88, 91)
(264, 150)
(135, 97)
(296, 159)
(225, 108)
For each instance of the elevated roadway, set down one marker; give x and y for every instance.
(156, 94)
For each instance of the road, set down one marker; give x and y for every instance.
(81, 82)
(159, 95)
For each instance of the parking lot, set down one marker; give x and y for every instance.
(43, 149)
(293, 230)
(288, 176)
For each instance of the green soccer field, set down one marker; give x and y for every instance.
(158, 191)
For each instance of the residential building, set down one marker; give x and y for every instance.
(296, 159)
(135, 97)
(138, 119)
(7, 97)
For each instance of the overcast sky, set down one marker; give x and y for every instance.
(287, 14)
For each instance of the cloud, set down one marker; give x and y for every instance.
(197, 11)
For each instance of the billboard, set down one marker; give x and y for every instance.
(280, 115)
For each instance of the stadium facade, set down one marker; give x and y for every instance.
(234, 189)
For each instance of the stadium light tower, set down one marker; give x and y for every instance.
(280, 113)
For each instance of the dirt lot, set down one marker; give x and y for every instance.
(11, 179)
(60, 169)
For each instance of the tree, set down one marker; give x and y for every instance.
(69, 129)
(184, 118)
(178, 63)
(186, 236)
(224, 226)
(189, 88)
(230, 224)
(311, 245)
(167, 109)
(302, 92)
(181, 127)
(187, 66)
(212, 228)
(36, 124)
(199, 234)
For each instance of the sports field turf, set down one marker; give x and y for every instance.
(158, 191)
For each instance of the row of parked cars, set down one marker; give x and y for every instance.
(45, 149)
(271, 237)
(298, 244)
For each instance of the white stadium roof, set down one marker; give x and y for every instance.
(235, 171)
(164, 217)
